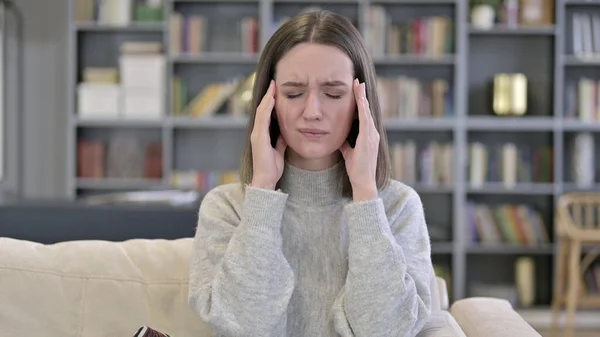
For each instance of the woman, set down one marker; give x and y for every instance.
(316, 240)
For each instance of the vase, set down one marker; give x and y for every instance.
(482, 16)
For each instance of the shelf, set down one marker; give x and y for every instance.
(118, 183)
(507, 123)
(519, 188)
(111, 123)
(430, 189)
(215, 1)
(351, 2)
(216, 57)
(576, 125)
(479, 54)
(509, 249)
(498, 30)
(441, 124)
(414, 2)
(157, 27)
(575, 61)
(209, 123)
(582, 2)
(572, 187)
(414, 60)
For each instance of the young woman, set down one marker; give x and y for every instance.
(316, 240)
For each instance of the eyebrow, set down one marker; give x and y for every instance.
(325, 84)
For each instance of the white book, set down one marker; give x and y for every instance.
(478, 162)
(509, 165)
(583, 165)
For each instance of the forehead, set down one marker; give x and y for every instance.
(314, 61)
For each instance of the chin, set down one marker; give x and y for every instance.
(314, 150)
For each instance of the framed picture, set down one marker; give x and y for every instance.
(536, 12)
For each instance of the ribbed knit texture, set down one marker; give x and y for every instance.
(305, 261)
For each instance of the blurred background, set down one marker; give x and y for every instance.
(118, 115)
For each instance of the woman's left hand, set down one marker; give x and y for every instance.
(361, 161)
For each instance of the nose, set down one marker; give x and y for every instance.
(312, 107)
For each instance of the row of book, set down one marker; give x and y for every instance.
(582, 99)
(118, 12)
(406, 97)
(516, 224)
(122, 156)
(431, 165)
(586, 35)
(509, 164)
(424, 36)
(134, 89)
(202, 181)
(592, 279)
(189, 35)
(231, 97)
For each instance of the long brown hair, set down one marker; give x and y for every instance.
(329, 28)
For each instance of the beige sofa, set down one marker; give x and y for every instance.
(110, 289)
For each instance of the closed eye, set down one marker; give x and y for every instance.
(293, 96)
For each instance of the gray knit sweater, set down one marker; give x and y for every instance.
(305, 261)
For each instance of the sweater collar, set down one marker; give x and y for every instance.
(313, 188)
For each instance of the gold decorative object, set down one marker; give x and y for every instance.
(510, 94)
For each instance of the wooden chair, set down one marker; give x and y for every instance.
(577, 225)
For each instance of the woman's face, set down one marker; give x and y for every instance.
(314, 102)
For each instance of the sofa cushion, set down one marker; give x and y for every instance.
(95, 288)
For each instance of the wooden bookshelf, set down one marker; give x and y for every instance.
(545, 54)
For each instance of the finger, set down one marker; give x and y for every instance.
(281, 145)
(363, 113)
(345, 150)
(265, 109)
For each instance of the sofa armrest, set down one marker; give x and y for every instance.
(442, 292)
(490, 317)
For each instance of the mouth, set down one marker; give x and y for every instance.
(312, 133)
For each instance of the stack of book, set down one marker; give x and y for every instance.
(99, 94)
(143, 71)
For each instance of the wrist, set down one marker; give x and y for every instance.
(262, 184)
(365, 193)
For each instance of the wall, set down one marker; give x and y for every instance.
(45, 106)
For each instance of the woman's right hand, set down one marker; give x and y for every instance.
(267, 162)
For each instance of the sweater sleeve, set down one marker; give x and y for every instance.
(240, 282)
(387, 289)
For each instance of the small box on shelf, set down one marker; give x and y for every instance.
(98, 100)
